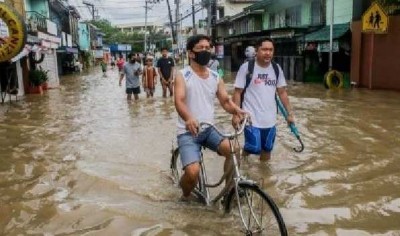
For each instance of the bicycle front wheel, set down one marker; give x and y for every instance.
(255, 211)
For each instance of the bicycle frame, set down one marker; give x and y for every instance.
(237, 188)
(203, 187)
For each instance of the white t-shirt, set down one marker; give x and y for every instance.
(259, 98)
(213, 65)
(200, 96)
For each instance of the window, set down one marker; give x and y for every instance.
(281, 19)
(316, 12)
(272, 21)
(221, 12)
(293, 16)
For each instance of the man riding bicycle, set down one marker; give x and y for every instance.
(196, 87)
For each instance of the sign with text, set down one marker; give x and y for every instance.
(375, 20)
(326, 46)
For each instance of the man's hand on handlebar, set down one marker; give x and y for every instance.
(238, 117)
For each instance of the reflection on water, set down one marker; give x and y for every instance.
(80, 160)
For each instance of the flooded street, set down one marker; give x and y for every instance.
(80, 160)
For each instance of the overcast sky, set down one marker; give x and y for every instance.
(129, 11)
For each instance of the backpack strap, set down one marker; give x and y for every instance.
(249, 76)
(276, 69)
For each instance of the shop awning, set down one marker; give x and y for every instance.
(324, 34)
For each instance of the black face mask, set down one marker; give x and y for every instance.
(133, 60)
(202, 58)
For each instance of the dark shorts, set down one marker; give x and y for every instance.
(190, 146)
(133, 90)
(257, 139)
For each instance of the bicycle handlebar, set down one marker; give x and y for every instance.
(228, 135)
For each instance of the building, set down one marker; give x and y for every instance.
(67, 18)
(375, 55)
(285, 21)
(139, 27)
(43, 36)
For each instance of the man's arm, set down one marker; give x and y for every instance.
(226, 102)
(172, 70)
(181, 107)
(282, 93)
(172, 73)
(161, 76)
(121, 77)
(237, 96)
(144, 81)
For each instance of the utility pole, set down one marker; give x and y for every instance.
(91, 8)
(171, 23)
(331, 35)
(193, 19)
(178, 29)
(209, 17)
(213, 11)
(146, 7)
(145, 27)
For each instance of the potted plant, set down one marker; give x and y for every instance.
(44, 78)
(37, 78)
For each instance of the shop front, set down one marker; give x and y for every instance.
(317, 48)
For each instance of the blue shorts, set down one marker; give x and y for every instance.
(133, 90)
(190, 146)
(257, 139)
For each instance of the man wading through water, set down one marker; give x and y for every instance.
(256, 94)
(132, 71)
(196, 88)
(165, 67)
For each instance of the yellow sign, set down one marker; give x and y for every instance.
(375, 20)
(13, 40)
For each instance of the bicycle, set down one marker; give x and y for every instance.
(239, 191)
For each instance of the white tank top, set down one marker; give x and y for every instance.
(200, 96)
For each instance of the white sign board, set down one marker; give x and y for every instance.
(98, 53)
(69, 40)
(51, 27)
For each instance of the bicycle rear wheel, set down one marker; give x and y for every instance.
(256, 211)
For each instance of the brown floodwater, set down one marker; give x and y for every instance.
(80, 160)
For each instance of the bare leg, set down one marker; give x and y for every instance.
(129, 97)
(189, 179)
(136, 97)
(164, 90)
(225, 150)
(265, 156)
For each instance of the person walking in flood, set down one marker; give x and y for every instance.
(132, 71)
(166, 67)
(256, 85)
(103, 65)
(120, 64)
(149, 77)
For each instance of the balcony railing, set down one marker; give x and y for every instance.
(35, 22)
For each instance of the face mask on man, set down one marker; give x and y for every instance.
(133, 60)
(202, 58)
